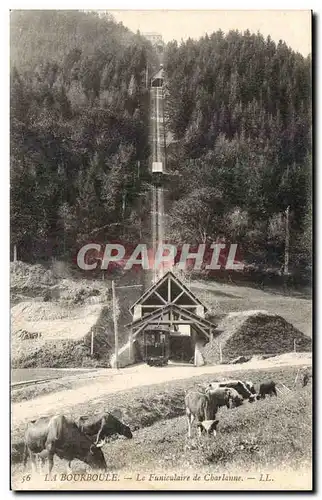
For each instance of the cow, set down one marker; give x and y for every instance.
(241, 387)
(224, 396)
(306, 378)
(102, 426)
(267, 388)
(201, 406)
(235, 399)
(49, 436)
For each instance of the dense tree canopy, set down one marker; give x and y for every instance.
(239, 109)
(79, 140)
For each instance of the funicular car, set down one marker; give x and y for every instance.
(156, 345)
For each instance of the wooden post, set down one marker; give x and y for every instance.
(115, 326)
(287, 241)
(92, 342)
(194, 342)
(220, 353)
(15, 253)
(294, 345)
(130, 346)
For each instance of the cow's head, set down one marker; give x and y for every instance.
(112, 425)
(212, 386)
(95, 458)
(250, 386)
(208, 426)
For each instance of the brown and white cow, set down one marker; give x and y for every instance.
(245, 389)
(202, 407)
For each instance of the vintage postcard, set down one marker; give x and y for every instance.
(161, 250)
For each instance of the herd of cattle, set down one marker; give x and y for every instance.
(204, 402)
(84, 438)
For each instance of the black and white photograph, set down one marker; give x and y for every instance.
(161, 255)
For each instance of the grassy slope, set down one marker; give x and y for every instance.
(270, 434)
(142, 407)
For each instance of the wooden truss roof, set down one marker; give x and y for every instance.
(169, 276)
(187, 317)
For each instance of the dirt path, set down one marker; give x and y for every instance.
(111, 381)
(232, 298)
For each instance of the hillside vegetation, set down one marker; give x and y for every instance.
(239, 108)
(79, 140)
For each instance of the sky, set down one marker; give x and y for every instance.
(291, 26)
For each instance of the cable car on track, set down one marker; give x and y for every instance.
(156, 345)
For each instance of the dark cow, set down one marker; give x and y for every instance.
(201, 406)
(245, 389)
(49, 436)
(103, 426)
(267, 388)
(306, 378)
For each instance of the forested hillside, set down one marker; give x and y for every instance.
(239, 108)
(79, 135)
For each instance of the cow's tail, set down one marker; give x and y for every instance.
(210, 409)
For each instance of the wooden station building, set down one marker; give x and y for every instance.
(168, 306)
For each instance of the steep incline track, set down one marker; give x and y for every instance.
(111, 381)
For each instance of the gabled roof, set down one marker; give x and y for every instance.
(159, 74)
(155, 286)
(164, 310)
(199, 322)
